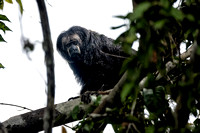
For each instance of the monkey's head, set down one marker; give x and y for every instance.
(69, 43)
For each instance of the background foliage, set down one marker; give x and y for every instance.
(3, 19)
(167, 103)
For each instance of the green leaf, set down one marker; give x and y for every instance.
(165, 3)
(75, 112)
(20, 6)
(3, 17)
(190, 17)
(126, 90)
(131, 36)
(1, 4)
(177, 14)
(120, 16)
(1, 39)
(159, 24)
(198, 50)
(9, 1)
(117, 27)
(140, 9)
(89, 126)
(3, 27)
(7, 29)
(150, 129)
(1, 66)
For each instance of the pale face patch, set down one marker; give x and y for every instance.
(75, 37)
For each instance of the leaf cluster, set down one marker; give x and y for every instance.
(3, 26)
(162, 89)
(4, 18)
(157, 96)
(160, 28)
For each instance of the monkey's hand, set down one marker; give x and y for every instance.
(86, 97)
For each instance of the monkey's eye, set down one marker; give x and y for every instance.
(73, 43)
(69, 44)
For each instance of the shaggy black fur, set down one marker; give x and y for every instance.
(94, 59)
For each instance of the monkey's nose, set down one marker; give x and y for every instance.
(73, 50)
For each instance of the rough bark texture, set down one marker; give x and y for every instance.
(32, 122)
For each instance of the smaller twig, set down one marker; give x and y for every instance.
(16, 106)
(117, 56)
(171, 65)
(134, 126)
(68, 126)
(187, 53)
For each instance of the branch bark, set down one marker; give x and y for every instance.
(49, 60)
(32, 122)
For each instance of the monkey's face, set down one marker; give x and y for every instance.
(71, 48)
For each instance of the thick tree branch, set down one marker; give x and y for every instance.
(32, 122)
(2, 128)
(49, 59)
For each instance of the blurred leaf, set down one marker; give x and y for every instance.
(140, 9)
(1, 39)
(165, 3)
(177, 14)
(3, 27)
(20, 6)
(9, 1)
(3, 17)
(159, 24)
(120, 16)
(1, 66)
(88, 127)
(150, 129)
(126, 90)
(117, 27)
(198, 50)
(1, 4)
(97, 101)
(75, 112)
(190, 17)
(131, 36)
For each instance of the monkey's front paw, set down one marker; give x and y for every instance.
(89, 96)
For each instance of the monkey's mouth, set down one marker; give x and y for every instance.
(74, 51)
